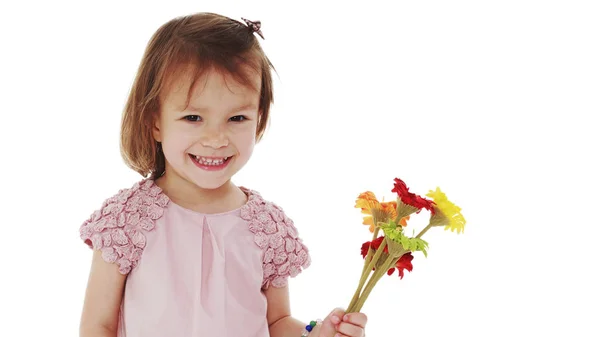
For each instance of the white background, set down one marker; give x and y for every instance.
(496, 102)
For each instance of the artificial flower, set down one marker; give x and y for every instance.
(403, 221)
(382, 211)
(448, 214)
(394, 249)
(410, 198)
(366, 201)
(399, 242)
(405, 262)
(373, 245)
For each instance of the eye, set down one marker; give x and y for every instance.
(238, 118)
(193, 118)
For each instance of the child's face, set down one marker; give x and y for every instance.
(213, 138)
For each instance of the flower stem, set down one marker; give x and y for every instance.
(373, 281)
(365, 274)
(423, 231)
(370, 251)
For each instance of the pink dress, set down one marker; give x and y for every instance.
(191, 274)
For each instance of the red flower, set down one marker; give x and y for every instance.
(364, 250)
(410, 198)
(405, 262)
(373, 244)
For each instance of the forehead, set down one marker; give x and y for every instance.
(190, 88)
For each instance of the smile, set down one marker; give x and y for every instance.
(210, 160)
(210, 163)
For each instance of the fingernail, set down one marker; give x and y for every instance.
(346, 318)
(335, 319)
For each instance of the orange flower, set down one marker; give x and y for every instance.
(383, 211)
(403, 220)
(366, 201)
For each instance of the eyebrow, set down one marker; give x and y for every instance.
(247, 106)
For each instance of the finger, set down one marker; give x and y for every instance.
(356, 318)
(337, 315)
(350, 329)
(329, 326)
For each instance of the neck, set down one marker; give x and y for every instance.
(193, 197)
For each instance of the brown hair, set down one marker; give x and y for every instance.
(204, 40)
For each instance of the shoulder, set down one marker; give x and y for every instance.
(118, 227)
(285, 253)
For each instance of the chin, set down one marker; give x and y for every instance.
(208, 183)
(199, 179)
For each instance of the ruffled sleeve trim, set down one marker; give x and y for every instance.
(284, 253)
(118, 227)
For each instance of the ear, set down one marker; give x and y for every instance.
(156, 127)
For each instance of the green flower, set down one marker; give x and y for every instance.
(395, 234)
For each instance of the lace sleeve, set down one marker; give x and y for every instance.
(118, 227)
(285, 255)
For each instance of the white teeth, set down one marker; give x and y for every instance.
(210, 161)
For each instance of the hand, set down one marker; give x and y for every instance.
(340, 324)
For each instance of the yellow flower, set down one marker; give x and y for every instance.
(450, 216)
(382, 211)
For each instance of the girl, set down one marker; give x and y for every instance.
(184, 252)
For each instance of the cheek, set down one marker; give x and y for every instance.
(177, 142)
(180, 133)
(245, 142)
(173, 151)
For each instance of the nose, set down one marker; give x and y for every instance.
(214, 137)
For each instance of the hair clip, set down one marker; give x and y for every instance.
(254, 27)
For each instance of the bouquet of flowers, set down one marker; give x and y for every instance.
(393, 250)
